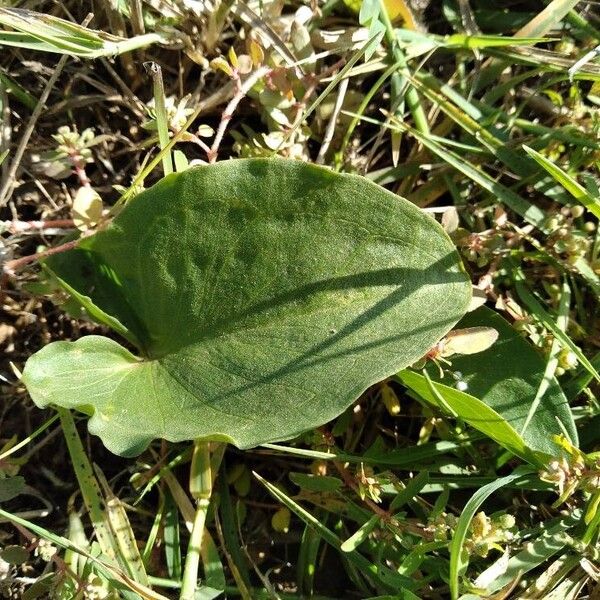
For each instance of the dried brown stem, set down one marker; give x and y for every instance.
(8, 182)
(330, 131)
(243, 89)
(312, 82)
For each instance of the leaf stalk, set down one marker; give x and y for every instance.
(201, 490)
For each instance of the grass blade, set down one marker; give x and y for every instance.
(90, 490)
(573, 187)
(552, 363)
(162, 122)
(532, 214)
(457, 562)
(45, 32)
(359, 561)
(540, 313)
(473, 411)
(360, 535)
(122, 531)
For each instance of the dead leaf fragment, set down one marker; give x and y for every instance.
(87, 208)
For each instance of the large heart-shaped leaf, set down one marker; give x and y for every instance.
(264, 296)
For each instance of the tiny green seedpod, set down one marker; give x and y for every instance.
(280, 521)
(233, 59)
(567, 359)
(242, 483)
(235, 472)
(577, 211)
(390, 399)
(256, 53)
(221, 64)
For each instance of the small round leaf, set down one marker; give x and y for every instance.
(15, 555)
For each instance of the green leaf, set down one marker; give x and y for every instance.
(457, 561)
(11, 487)
(472, 410)
(411, 489)
(15, 555)
(316, 483)
(507, 377)
(369, 17)
(461, 40)
(77, 273)
(266, 295)
(97, 314)
(369, 11)
(171, 538)
(214, 575)
(502, 382)
(571, 185)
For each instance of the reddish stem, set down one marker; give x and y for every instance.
(22, 226)
(12, 266)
